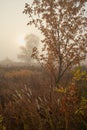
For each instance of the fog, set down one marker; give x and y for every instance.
(13, 24)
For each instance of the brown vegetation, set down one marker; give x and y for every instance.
(27, 101)
(64, 27)
(31, 99)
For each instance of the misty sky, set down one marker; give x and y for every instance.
(13, 25)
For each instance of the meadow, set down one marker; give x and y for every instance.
(29, 100)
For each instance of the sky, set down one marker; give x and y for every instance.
(13, 27)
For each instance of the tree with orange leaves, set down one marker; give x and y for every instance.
(63, 24)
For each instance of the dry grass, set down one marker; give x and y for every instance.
(28, 102)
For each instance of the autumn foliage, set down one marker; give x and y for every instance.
(64, 27)
(29, 106)
(53, 97)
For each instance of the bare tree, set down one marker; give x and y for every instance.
(26, 51)
(64, 27)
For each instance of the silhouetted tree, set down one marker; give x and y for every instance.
(26, 51)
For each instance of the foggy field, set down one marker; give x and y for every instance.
(43, 65)
(28, 102)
